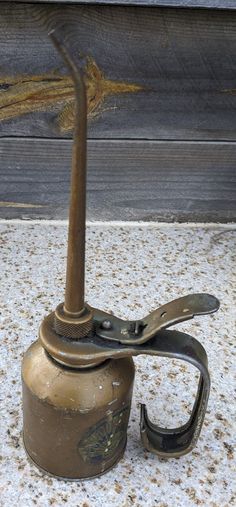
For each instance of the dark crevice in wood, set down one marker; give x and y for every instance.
(192, 4)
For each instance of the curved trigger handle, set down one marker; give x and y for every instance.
(175, 442)
(140, 331)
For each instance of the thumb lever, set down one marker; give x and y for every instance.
(140, 331)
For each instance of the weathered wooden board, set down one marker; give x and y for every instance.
(208, 4)
(153, 73)
(127, 180)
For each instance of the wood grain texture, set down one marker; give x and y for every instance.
(127, 180)
(207, 4)
(183, 60)
(22, 95)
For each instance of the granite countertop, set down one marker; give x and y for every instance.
(131, 269)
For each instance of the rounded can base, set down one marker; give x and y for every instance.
(73, 479)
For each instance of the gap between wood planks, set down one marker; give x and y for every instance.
(121, 223)
(121, 139)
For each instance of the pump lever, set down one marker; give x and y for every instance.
(140, 331)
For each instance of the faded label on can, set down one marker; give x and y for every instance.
(101, 441)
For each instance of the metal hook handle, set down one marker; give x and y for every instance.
(174, 442)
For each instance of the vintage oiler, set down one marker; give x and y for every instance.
(78, 376)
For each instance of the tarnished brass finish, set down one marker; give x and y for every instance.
(73, 318)
(75, 421)
(73, 327)
(78, 376)
(98, 346)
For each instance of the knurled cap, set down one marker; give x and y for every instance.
(73, 327)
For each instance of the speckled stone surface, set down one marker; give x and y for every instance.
(130, 270)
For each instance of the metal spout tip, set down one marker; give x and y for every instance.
(74, 294)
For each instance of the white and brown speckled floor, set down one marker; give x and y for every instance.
(130, 270)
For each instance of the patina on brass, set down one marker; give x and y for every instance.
(78, 376)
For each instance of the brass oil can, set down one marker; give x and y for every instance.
(78, 376)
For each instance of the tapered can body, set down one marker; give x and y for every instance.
(75, 420)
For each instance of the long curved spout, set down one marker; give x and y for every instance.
(75, 274)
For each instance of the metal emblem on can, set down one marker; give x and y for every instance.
(101, 441)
